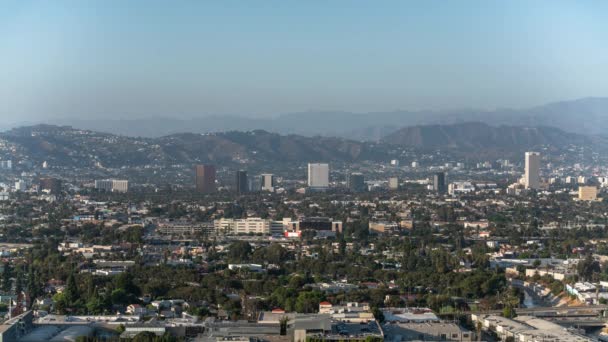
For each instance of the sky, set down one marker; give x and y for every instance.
(186, 59)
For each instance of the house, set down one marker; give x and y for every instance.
(136, 310)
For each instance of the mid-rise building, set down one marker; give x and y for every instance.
(268, 182)
(383, 227)
(587, 193)
(251, 225)
(355, 182)
(393, 183)
(112, 185)
(532, 171)
(242, 185)
(318, 175)
(205, 178)
(460, 188)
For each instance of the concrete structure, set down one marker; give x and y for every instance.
(242, 184)
(393, 183)
(251, 225)
(587, 193)
(383, 227)
(185, 228)
(532, 171)
(436, 331)
(526, 329)
(417, 315)
(318, 175)
(112, 185)
(460, 188)
(205, 178)
(268, 182)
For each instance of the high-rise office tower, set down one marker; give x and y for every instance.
(205, 178)
(439, 184)
(355, 182)
(532, 173)
(267, 181)
(242, 185)
(318, 175)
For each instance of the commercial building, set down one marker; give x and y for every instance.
(393, 183)
(526, 329)
(587, 193)
(251, 225)
(383, 227)
(532, 171)
(267, 181)
(185, 228)
(435, 331)
(242, 185)
(439, 182)
(355, 182)
(205, 178)
(112, 185)
(318, 175)
(321, 226)
(460, 188)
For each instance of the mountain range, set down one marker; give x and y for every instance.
(587, 116)
(67, 146)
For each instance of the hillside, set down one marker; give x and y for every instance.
(476, 136)
(65, 146)
(69, 147)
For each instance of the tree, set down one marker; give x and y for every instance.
(587, 267)
(60, 303)
(239, 251)
(71, 290)
(308, 302)
(508, 312)
(6, 277)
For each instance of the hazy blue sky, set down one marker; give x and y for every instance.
(256, 57)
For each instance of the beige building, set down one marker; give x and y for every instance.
(587, 193)
(532, 171)
(393, 183)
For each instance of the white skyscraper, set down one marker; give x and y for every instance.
(318, 175)
(532, 176)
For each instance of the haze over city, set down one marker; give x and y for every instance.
(66, 60)
(313, 171)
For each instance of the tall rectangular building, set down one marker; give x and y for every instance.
(318, 175)
(205, 178)
(268, 182)
(355, 182)
(393, 183)
(242, 185)
(439, 183)
(532, 172)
